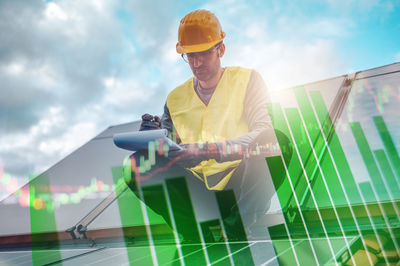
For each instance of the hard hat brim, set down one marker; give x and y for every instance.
(184, 49)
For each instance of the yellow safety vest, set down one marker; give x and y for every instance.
(222, 119)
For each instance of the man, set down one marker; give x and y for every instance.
(219, 117)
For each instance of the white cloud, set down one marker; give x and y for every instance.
(291, 56)
(126, 91)
(15, 68)
(286, 64)
(397, 57)
(20, 68)
(365, 5)
(329, 27)
(54, 95)
(53, 11)
(45, 143)
(73, 137)
(79, 66)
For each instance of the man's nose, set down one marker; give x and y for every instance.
(197, 61)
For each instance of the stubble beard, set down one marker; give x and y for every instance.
(206, 73)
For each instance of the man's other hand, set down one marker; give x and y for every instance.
(192, 154)
(150, 122)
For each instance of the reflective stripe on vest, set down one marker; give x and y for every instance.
(222, 119)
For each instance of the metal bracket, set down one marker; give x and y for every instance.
(78, 231)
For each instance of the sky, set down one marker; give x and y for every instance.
(69, 68)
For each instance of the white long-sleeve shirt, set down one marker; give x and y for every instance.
(255, 111)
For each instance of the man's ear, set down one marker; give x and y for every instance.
(221, 50)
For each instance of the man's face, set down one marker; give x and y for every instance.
(205, 65)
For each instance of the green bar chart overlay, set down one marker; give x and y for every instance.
(338, 193)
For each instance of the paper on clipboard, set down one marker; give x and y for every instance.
(139, 140)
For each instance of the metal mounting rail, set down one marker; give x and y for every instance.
(78, 231)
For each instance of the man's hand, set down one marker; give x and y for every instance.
(194, 153)
(150, 122)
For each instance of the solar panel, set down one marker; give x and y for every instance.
(339, 201)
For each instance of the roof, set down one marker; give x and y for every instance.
(83, 204)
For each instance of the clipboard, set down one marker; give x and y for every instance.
(139, 140)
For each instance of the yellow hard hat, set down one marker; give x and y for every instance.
(198, 31)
